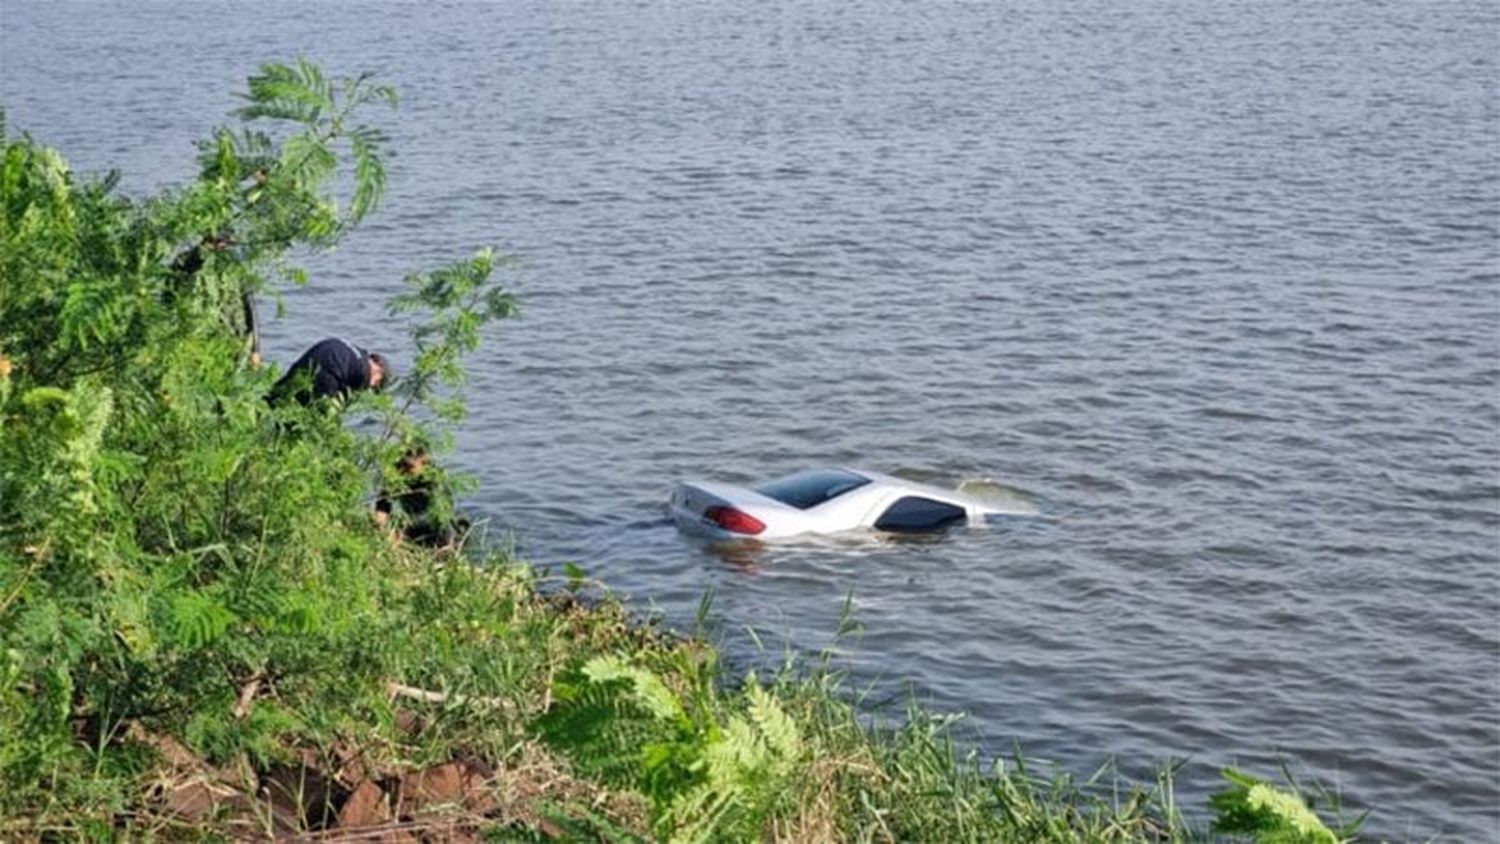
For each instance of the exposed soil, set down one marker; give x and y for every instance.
(338, 796)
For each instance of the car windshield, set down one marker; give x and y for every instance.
(809, 489)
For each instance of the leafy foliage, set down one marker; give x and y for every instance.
(1269, 815)
(647, 690)
(457, 301)
(167, 539)
(709, 778)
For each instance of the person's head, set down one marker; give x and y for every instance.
(414, 461)
(380, 371)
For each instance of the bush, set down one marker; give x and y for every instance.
(171, 547)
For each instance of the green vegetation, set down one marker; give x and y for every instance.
(203, 633)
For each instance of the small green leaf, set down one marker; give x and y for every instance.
(575, 575)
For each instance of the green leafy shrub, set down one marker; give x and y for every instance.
(170, 545)
(709, 777)
(1266, 814)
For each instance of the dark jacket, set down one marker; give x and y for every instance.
(331, 368)
(412, 511)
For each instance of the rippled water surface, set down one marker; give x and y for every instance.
(1215, 284)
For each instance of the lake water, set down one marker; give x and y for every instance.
(1216, 285)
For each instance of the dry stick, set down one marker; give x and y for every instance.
(396, 690)
(246, 697)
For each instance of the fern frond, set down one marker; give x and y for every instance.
(605, 733)
(195, 620)
(280, 109)
(307, 159)
(299, 94)
(358, 92)
(697, 815)
(256, 150)
(650, 692)
(369, 174)
(313, 80)
(94, 312)
(779, 730)
(739, 752)
(261, 599)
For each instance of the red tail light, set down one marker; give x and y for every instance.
(734, 521)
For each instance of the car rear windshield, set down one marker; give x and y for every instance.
(809, 489)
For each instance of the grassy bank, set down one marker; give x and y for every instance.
(205, 634)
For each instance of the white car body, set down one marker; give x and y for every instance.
(867, 500)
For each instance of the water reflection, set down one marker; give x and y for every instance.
(751, 556)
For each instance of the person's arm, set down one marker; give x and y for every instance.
(383, 511)
(327, 383)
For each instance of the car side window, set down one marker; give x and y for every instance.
(912, 513)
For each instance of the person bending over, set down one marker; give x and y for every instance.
(410, 513)
(332, 368)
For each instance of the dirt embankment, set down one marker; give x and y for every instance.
(340, 796)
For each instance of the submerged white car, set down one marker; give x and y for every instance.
(823, 501)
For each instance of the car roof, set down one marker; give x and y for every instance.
(910, 487)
